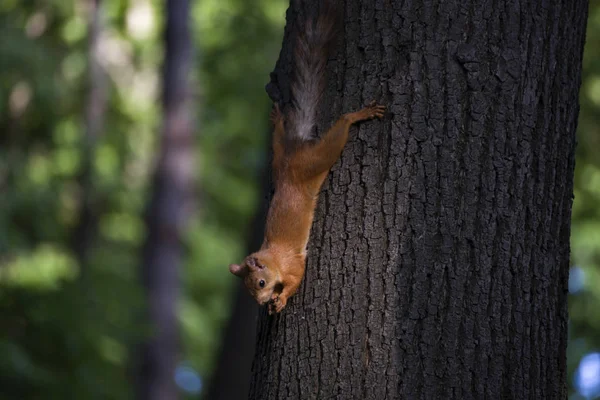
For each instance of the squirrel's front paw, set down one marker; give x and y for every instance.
(276, 305)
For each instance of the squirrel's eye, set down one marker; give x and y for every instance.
(261, 283)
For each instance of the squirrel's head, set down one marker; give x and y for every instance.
(259, 272)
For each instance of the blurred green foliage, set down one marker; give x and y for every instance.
(584, 301)
(64, 337)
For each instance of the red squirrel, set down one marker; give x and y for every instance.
(300, 165)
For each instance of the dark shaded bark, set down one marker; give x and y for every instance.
(169, 210)
(85, 231)
(439, 256)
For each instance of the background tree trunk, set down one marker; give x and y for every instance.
(439, 256)
(84, 233)
(169, 210)
(231, 379)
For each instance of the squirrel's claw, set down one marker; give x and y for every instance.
(375, 110)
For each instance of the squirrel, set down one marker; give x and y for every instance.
(300, 166)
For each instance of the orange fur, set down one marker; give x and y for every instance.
(299, 171)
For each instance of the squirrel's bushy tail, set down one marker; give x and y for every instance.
(310, 59)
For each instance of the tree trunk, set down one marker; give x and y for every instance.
(84, 233)
(231, 378)
(439, 255)
(168, 212)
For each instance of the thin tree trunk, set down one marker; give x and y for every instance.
(231, 379)
(439, 256)
(168, 212)
(83, 234)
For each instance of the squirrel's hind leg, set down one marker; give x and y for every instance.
(317, 158)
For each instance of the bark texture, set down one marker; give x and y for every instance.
(168, 212)
(439, 256)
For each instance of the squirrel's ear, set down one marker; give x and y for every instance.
(238, 270)
(250, 262)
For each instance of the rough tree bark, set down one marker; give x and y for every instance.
(169, 210)
(439, 256)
